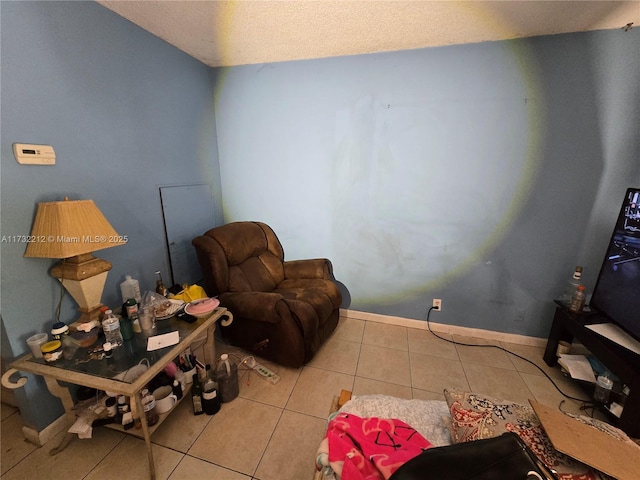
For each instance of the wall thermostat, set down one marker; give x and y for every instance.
(27, 154)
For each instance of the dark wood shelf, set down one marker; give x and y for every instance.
(621, 361)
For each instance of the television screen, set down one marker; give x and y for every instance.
(617, 291)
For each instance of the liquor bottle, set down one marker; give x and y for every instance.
(210, 397)
(577, 300)
(196, 396)
(572, 285)
(160, 286)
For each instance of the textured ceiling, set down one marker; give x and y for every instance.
(226, 33)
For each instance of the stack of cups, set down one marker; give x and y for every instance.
(35, 342)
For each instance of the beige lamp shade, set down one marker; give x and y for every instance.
(68, 228)
(71, 230)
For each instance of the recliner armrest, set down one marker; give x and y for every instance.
(309, 268)
(261, 306)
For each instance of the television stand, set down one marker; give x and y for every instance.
(622, 362)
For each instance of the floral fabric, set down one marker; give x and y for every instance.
(476, 416)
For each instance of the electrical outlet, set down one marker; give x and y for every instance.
(437, 304)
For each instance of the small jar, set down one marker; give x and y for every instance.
(59, 329)
(112, 408)
(51, 351)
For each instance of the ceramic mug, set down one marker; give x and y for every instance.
(165, 399)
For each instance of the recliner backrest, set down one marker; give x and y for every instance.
(244, 256)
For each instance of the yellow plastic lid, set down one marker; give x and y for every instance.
(51, 346)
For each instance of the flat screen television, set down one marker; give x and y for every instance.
(617, 291)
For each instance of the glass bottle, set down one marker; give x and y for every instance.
(572, 285)
(149, 407)
(577, 300)
(160, 286)
(196, 396)
(210, 397)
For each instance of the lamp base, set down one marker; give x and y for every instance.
(90, 315)
(84, 277)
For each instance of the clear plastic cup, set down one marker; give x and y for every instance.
(69, 347)
(603, 389)
(147, 319)
(35, 342)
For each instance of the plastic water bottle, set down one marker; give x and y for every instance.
(572, 285)
(130, 288)
(111, 329)
(227, 377)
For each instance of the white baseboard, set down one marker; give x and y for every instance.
(450, 329)
(40, 438)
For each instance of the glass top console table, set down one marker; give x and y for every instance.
(111, 375)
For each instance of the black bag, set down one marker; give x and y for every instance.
(500, 458)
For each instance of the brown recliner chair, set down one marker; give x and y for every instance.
(282, 310)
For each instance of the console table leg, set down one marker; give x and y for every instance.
(147, 435)
(210, 347)
(67, 402)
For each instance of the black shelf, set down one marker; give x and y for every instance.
(621, 361)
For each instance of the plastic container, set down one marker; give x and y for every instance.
(86, 339)
(69, 346)
(147, 321)
(59, 329)
(51, 351)
(130, 288)
(111, 328)
(227, 377)
(603, 389)
(35, 342)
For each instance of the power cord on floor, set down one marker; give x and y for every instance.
(586, 404)
(246, 363)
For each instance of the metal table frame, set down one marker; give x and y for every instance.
(53, 374)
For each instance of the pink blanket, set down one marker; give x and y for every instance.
(371, 448)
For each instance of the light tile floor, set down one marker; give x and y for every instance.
(272, 431)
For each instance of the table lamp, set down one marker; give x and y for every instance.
(72, 230)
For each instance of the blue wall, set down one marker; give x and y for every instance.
(480, 174)
(126, 113)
